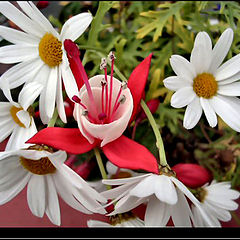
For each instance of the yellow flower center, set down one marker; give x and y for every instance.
(41, 166)
(205, 85)
(14, 110)
(119, 218)
(50, 50)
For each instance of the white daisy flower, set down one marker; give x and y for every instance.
(165, 196)
(217, 200)
(39, 50)
(47, 176)
(203, 85)
(120, 220)
(16, 118)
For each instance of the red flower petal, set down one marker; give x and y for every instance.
(137, 82)
(192, 175)
(67, 139)
(126, 153)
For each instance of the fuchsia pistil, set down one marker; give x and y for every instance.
(106, 115)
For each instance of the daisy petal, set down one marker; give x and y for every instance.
(174, 83)
(36, 195)
(232, 89)
(229, 80)
(228, 109)
(201, 55)
(221, 49)
(24, 118)
(193, 114)
(182, 97)
(75, 26)
(17, 53)
(209, 112)
(183, 68)
(6, 129)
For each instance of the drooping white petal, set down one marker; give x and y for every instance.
(228, 69)
(193, 114)
(96, 223)
(5, 109)
(21, 72)
(182, 97)
(18, 53)
(75, 26)
(183, 68)
(209, 112)
(32, 11)
(201, 55)
(24, 118)
(36, 195)
(157, 213)
(20, 19)
(232, 89)
(227, 109)
(59, 98)
(221, 49)
(18, 37)
(29, 93)
(6, 128)
(175, 83)
(52, 204)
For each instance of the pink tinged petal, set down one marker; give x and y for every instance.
(52, 204)
(182, 97)
(165, 190)
(74, 27)
(232, 89)
(17, 53)
(59, 98)
(228, 69)
(69, 140)
(32, 11)
(111, 131)
(157, 213)
(24, 118)
(126, 153)
(137, 82)
(29, 93)
(18, 37)
(65, 190)
(20, 19)
(221, 49)
(193, 114)
(68, 78)
(209, 112)
(228, 108)
(21, 72)
(181, 212)
(145, 188)
(13, 191)
(183, 68)
(36, 195)
(201, 55)
(175, 83)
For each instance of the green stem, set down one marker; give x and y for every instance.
(159, 143)
(53, 120)
(100, 165)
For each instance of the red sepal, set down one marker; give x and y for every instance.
(67, 139)
(126, 153)
(137, 82)
(192, 175)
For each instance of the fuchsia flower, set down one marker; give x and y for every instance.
(103, 109)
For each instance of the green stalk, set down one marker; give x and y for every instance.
(159, 143)
(100, 165)
(53, 120)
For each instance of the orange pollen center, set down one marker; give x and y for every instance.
(14, 110)
(50, 50)
(205, 85)
(42, 166)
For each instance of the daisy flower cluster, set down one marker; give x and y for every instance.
(54, 85)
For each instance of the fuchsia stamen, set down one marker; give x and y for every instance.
(106, 104)
(111, 57)
(76, 99)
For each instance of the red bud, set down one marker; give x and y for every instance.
(42, 4)
(192, 175)
(85, 168)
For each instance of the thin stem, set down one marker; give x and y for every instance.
(159, 143)
(100, 165)
(53, 120)
(111, 86)
(205, 133)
